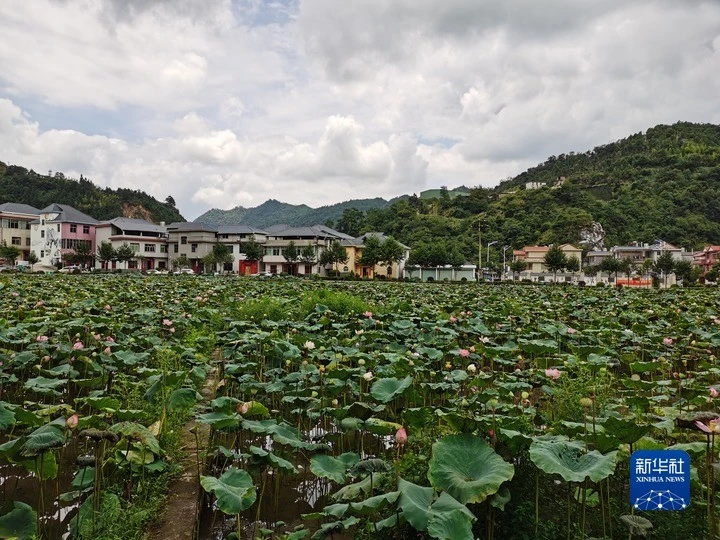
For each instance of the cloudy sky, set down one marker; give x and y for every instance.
(230, 102)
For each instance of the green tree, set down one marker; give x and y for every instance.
(105, 254)
(252, 249)
(181, 262)
(307, 254)
(124, 253)
(351, 222)
(665, 264)
(610, 265)
(334, 255)
(292, 255)
(555, 260)
(33, 260)
(573, 264)
(222, 255)
(517, 266)
(9, 253)
(391, 252)
(684, 271)
(372, 252)
(627, 267)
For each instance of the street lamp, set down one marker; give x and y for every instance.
(479, 268)
(505, 248)
(488, 251)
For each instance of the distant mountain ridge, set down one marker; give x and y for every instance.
(273, 211)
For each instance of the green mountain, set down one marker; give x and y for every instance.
(272, 212)
(20, 185)
(661, 184)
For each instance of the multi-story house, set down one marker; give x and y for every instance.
(707, 258)
(233, 236)
(61, 229)
(319, 237)
(355, 248)
(191, 239)
(148, 241)
(534, 256)
(15, 226)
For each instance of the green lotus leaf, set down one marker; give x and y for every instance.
(625, 431)
(7, 417)
(20, 523)
(275, 461)
(234, 490)
(569, 460)
(219, 420)
(44, 438)
(414, 502)
(182, 398)
(329, 467)
(138, 433)
(467, 468)
(638, 525)
(453, 525)
(381, 427)
(385, 390)
(373, 504)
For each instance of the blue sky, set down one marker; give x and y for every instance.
(231, 102)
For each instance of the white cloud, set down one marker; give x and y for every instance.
(225, 102)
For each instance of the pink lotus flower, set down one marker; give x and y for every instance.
(109, 339)
(472, 348)
(244, 408)
(41, 339)
(571, 330)
(713, 392)
(712, 427)
(368, 314)
(78, 345)
(553, 373)
(107, 351)
(167, 322)
(667, 341)
(453, 319)
(107, 307)
(98, 337)
(72, 421)
(401, 436)
(464, 353)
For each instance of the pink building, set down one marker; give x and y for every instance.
(60, 229)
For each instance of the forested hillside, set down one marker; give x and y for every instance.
(662, 184)
(20, 185)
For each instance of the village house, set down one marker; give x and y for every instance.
(61, 229)
(15, 220)
(148, 241)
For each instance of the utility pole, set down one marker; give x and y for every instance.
(479, 268)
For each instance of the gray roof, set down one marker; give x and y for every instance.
(132, 224)
(17, 208)
(380, 236)
(239, 229)
(68, 214)
(277, 228)
(305, 232)
(333, 232)
(190, 226)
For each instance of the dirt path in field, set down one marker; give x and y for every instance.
(179, 520)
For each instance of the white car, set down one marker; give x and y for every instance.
(70, 269)
(185, 271)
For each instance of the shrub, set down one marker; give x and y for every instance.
(335, 301)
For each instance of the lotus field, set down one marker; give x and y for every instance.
(309, 409)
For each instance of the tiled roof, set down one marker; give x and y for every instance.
(16, 208)
(68, 214)
(190, 226)
(239, 229)
(132, 224)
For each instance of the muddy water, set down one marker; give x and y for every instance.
(287, 496)
(17, 484)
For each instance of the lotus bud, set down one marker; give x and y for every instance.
(368, 376)
(288, 362)
(72, 421)
(314, 394)
(401, 436)
(464, 403)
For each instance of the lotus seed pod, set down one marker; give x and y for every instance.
(492, 403)
(525, 395)
(586, 402)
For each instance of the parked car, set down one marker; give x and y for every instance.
(185, 271)
(154, 272)
(72, 269)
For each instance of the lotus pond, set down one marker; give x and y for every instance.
(349, 409)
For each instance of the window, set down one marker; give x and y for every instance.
(73, 228)
(27, 242)
(58, 227)
(163, 248)
(183, 240)
(224, 236)
(193, 247)
(135, 247)
(27, 225)
(42, 222)
(308, 269)
(14, 224)
(149, 248)
(16, 241)
(86, 229)
(42, 233)
(42, 254)
(176, 248)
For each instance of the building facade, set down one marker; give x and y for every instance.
(148, 241)
(15, 226)
(61, 229)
